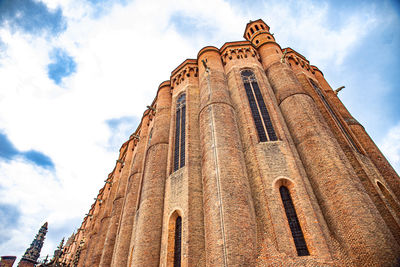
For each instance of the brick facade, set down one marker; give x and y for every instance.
(7, 261)
(244, 143)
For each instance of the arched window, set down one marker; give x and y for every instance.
(179, 156)
(257, 27)
(294, 223)
(259, 111)
(178, 242)
(335, 117)
(174, 244)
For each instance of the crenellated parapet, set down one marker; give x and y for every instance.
(237, 50)
(186, 69)
(294, 57)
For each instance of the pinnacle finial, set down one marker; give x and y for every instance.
(33, 252)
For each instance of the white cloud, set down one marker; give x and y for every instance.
(390, 146)
(122, 56)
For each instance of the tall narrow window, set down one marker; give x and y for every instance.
(179, 157)
(294, 223)
(178, 241)
(259, 111)
(335, 118)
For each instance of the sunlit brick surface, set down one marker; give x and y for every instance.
(344, 205)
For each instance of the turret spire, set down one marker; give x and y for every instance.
(33, 252)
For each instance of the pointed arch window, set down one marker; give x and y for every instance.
(178, 242)
(179, 151)
(334, 116)
(259, 111)
(294, 223)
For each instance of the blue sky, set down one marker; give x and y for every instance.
(77, 75)
(9, 152)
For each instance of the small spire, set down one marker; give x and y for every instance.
(61, 243)
(33, 252)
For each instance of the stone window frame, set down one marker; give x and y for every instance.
(267, 132)
(171, 238)
(290, 185)
(179, 148)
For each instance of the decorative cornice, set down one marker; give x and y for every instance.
(188, 68)
(290, 50)
(233, 44)
(299, 61)
(315, 68)
(238, 52)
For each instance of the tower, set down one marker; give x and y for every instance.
(246, 157)
(33, 252)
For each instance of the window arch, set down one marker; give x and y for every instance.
(179, 151)
(293, 221)
(178, 242)
(335, 117)
(174, 249)
(259, 111)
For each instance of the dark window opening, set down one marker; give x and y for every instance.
(179, 150)
(257, 27)
(251, 30)
(294, 223)
(178, 241)
(258, 108)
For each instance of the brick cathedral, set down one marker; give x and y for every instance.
(246, 157)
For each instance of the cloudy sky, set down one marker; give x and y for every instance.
(76, 76)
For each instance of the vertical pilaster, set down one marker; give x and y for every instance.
(105, 217)
(146, 250)
(121, 253)
(126, 160)
(367, 172)
(373, 152)
(89, 231)
(228, 208)
(94, 246)
(339, 192)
